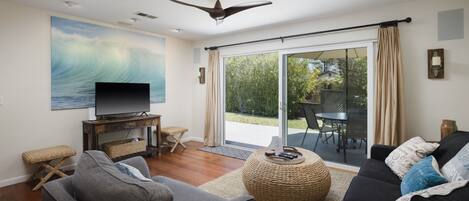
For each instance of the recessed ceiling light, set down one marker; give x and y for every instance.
(128, 22)
(71, 4)
(177, 30)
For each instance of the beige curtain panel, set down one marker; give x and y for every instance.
(212, 135)
(389, 126)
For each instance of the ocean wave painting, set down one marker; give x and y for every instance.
(83, 54)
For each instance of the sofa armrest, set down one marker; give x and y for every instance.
(380, 152)
(139, 163)
(58, 190)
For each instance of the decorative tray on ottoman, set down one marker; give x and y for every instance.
(288, 156)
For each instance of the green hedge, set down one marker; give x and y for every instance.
(252, 83)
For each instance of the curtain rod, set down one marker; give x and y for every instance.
(282, 38)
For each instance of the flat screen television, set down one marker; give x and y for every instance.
(121, 98)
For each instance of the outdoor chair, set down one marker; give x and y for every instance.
(312, 123)
(332, 101)
(356, 130)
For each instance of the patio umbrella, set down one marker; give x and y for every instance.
(332, 54)
(335, 54)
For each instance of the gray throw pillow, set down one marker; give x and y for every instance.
(457, 168)
(97, 179)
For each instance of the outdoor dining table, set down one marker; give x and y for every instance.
(339, 118)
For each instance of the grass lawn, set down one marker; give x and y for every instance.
(266, 121)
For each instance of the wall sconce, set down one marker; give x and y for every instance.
(436, 64)
(202, 75)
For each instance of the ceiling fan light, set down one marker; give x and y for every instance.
(219, 21)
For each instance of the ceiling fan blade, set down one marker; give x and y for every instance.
(244, 6)
(195, 6)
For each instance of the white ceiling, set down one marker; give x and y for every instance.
(197, 24)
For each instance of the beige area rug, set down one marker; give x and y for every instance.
(230, 185)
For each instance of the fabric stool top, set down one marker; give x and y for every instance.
(48, 154)
(173, 130)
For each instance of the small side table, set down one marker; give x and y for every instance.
(267, 181)
(174, 134)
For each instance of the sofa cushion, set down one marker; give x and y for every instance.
(378, 170)
(450, 146)
(97, 179)
(185, 192)
(368, 189)
(407, 154)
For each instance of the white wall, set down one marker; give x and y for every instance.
(427, 101)
(26, 121)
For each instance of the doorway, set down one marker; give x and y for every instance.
(328, 99)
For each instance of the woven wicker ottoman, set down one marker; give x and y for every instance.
(266, 181)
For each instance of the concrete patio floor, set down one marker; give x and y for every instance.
(260, 135)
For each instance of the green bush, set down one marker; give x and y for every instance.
(301, 83)
(252, 84)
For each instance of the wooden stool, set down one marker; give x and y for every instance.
(174, 134)
(45, 157)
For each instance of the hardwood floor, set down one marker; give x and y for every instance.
(191, 166)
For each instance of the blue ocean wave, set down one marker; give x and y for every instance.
(80, 60)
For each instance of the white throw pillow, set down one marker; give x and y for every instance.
(405, 156)
(131, 171)
(457, 168)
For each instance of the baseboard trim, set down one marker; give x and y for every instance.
(342, 167)
(24, 178)
(14, 180)
(197, 139)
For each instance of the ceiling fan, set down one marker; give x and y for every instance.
(219, 14)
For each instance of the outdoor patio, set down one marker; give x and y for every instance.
(260, 135)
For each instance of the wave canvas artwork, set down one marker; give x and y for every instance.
(83, 54)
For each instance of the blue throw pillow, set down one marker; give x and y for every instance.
(422, 175)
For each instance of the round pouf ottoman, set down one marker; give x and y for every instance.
(267, 181)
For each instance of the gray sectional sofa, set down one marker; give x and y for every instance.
(376, 181)
(97, 179)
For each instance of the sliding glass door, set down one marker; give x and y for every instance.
(327, 96)
(251, 99)
(316, 98)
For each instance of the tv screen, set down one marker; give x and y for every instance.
(121, 98)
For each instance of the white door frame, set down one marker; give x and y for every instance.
(370, 45)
